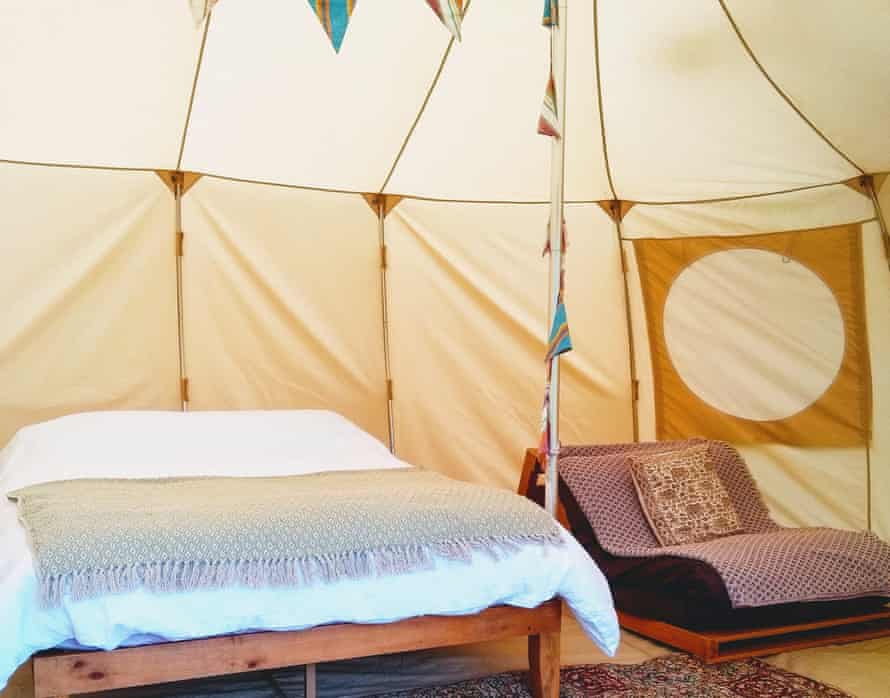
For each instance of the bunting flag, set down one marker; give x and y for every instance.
(201, 10)
(564, 240)
(558, 342)
(450, 12)
(551, 13)
(548, 121)
(334, 17)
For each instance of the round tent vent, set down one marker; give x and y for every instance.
(753, 334)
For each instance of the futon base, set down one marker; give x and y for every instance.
(713, 646)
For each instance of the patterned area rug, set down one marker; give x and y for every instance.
(674, 676)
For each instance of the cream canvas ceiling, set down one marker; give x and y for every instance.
(699, 99)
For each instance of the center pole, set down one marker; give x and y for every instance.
(557, 177)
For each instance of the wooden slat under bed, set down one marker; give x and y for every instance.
(61, 674)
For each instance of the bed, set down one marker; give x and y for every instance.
(151, 637)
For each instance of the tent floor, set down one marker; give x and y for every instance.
(861, 669)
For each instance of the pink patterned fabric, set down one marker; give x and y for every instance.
(765, 565)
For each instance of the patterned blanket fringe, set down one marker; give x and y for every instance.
(176, 576)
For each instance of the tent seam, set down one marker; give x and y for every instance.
(420, 112)
(599, 100)
(414, 197)
(861, 221)
(781, 92)
(188, 115)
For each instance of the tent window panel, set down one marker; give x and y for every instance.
(754, 334)
(759, 338)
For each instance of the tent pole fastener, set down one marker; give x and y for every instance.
(180, 240)
(383, 260)
(184, 389)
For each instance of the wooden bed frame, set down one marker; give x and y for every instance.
(716, 646)
(60, 674)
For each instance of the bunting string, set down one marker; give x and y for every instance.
(334, 15)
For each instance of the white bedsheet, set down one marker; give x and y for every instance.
(253, 443)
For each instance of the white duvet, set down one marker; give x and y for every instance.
(160, 444)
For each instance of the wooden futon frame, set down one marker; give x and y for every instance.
(59, 674)
(713, 646)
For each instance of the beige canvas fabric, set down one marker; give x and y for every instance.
(282, 301)
(467, 296)
(88, 292)
(281, 285)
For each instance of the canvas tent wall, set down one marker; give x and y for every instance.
(712, 119)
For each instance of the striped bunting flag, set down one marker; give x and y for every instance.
(548, 121)
(451, 13)
(334, 17)
(551, 13)
(560, 340)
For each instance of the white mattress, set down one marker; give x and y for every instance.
(156, 444)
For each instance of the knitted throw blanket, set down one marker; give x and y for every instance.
(94, 537)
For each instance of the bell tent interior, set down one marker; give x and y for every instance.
(204, 206)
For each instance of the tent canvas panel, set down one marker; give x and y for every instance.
(282, 301)
(467, 299)
(88, 291)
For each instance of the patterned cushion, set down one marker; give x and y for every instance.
(682, 496)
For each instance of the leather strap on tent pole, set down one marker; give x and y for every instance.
(187, 179)
(388, 201)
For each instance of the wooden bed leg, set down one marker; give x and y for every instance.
(311, 685)
(543, 662)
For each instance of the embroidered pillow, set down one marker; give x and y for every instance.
(682, 496)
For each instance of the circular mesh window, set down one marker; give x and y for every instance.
(753, 334)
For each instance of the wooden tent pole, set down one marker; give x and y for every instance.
(384, 305)
(178, 182)
(869, 184)
(557, 178)
(628, 317)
